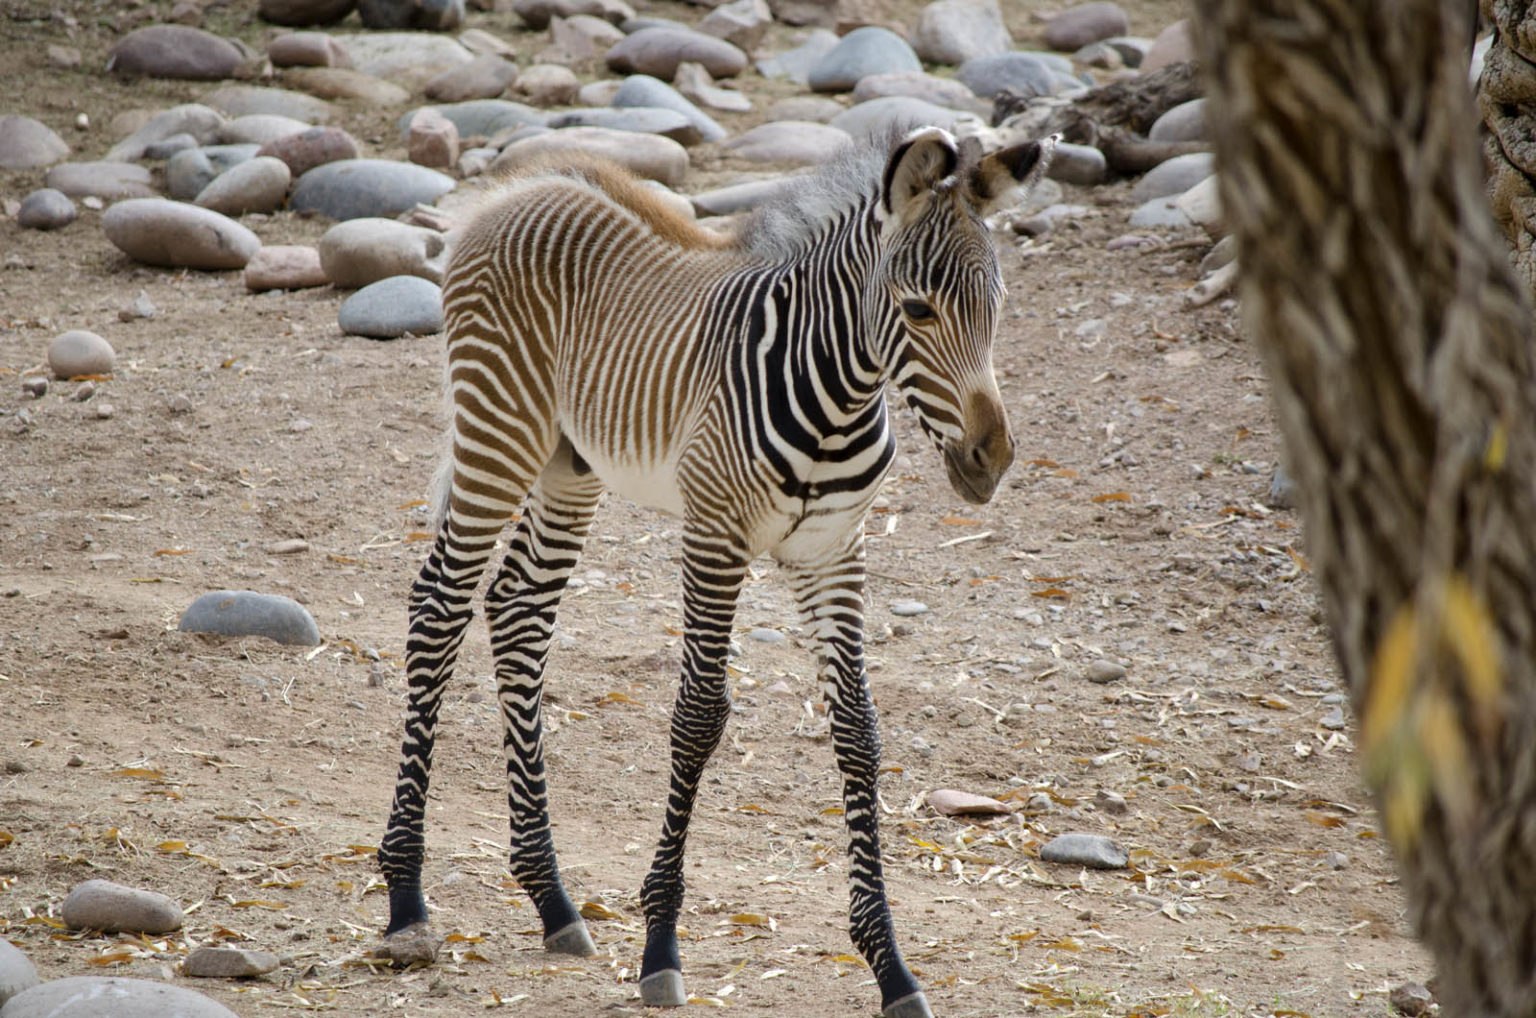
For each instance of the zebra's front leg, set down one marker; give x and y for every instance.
(520, 608)
(713, 570)
(831, 597)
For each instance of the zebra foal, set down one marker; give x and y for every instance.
(598, 341)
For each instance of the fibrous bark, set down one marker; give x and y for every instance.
(1399, 355)
(1507, 100)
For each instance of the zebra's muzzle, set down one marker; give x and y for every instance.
(975, 468)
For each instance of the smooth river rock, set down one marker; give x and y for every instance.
(248, 613)
(644, 90)
(112, 997)
(284, 267)
(317, 146)
(79, 352)
(354, 188)
(223, 962)
(406, 58)
(658, 51)
(17, 973)
(1078, 26)
(1025, 73)
(869, 119)
(393, 307)
(862, 52)
(1174, 176)
(256, 185)
(645, 155)
(170, 234)
(308, 49)
(1092, 850)
(251, 100)
(108, 180)
(638, 119)
(346, 83)
(46, 209)
(113, 908)
(305, 12)
(798, 143)
(363, 251)
(486, 77)
(260, 128)
(954, 31)
(26, 143)
(175, 51)
(200, 122)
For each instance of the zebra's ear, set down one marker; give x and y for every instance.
(917, 165)
(1001, 176)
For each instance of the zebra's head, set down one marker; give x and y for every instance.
(937, 292)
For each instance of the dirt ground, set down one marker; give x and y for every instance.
(251, 781)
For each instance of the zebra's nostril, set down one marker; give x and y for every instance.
(978, 457)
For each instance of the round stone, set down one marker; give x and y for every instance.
(175, 51)
(1174, 176)
(256, 185)
(113, 908)
(486, 77)
(1078, 26)
(645, 155)
(644, 90)
(26, 143)
(1184, 122)
(548, 85)
(305, 12)
(1159, 213)
(363, 251)
(1173, 45)
(393, 307)
(1024, 73)
(172, 234)
(908, 608)
(954, 31)
(308, 49)
(17, 973)
(316, 146)
(112, 997)
(796, 64)
(658, 51)
(1082, 165)
(870, 119)
(187, 173)
(195, 119)
(1103, 671)
(248, 613)
(254, 100)
(929, 88)
(1091, 850)
(260, 128)
(79, 352)
(169, 146)
(797, 143)
(107, 180)
(46, 209)
(284, 267)
(742, 23)
(862, 52)
(405, 58)
(638, 119)
(354, 188)
(483, 117)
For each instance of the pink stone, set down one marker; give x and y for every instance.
(432, 139)
(308, 149)
(284, 267)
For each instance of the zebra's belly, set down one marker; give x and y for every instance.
(653, 485)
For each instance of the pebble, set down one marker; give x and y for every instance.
(35, 387)
(109, 180)
(930, 88)
(1159, 213)
(1092, 850)
(247, 613)
(222, 962)
(363, 251)
(308, 49)
(1334, 720)
(645, 155)
(1282, 489)
(113, 997)
(695, 83)
(79, 352)
(742, 23)
(1184, 122)
(175, 51)
(432, 140)
(169, 234)
(252, 100)
(1025, 73)
(393, 307)
(284, 267)
(1174, 176)
(305, 12)
(316, 146)
(1082, 165)
(1173, 45)
(17, 973)
(873, 118)
(195, 119)
(862, 52)
(256, 185)
(428, 15)
(140, 307)
(1102, 671)
(354, 188)
(26, 143)
(405, 58)
(113, 908)
(763, 635)
(1111, 802)
(1078, 26)
(907, 609)
(638, 119)
(348, 84)
(644, 90)
(46, 209)
(485, 77)
(796, 64)
(1411, 999)
(951, 802)
(954, 31)
(658, 51)
(548, 85)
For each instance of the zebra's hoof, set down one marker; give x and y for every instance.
(663, 989)
(414, 945)
(573, 939)
(913, 1005)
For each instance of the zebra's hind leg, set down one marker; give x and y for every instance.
(520, 609)
(713, 570)
(831, 597)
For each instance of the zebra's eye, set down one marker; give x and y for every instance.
(916, 310)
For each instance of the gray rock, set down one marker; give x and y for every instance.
(796, 64)
(695, 83)
(393, 307)
(430, 15)
(17, 973)
(78, 352)
(645, 155)
(1078, 26)
(1103, 671)
(1173, 45)
(658, 51)
(580, 39)
(954, 31)
(26, 143)
(432, 140)
(482, 43)
(46, 209)
(1082, 165)
(260, 128)
(170, 146)
(1282, 489)
(305, 12)
(317, 146)
(113, 908)
(798, 143)
(284, 267)
(868, 119)
(256, 185)
(175, 51)
(107, 180)
(188, 173)
(908, 609)
(642, 90)
(1092, 850)
(1410, 999)
(250, 100)
(171, 234)
(200, 121)
(484, 118)
(247, 613)
(308, 49)
(864, 51)
(348, 84)
(548, 85)
(211, 962)
(406, 58)
(814, 108)
(1025, 73)
(640, 119)
(354, 188)
(363, 251)
(1334, 720)
(1184, 122)
(1173, 177)
(1202, 204)
(112, 997)
(1159, 213)
(742, 23)
(929, 88)
(734, 198)
(822, 13)
(485, 77)
(639, 23)
(537, 14)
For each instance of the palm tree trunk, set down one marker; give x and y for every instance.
(1507, 100)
